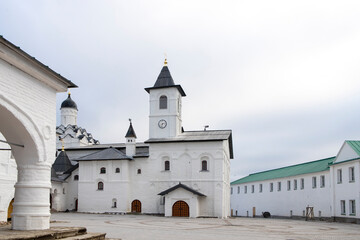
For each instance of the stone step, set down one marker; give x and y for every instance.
(87, 236)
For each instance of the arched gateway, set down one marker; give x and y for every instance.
(28, 119)
(136, 206)
(180, 209)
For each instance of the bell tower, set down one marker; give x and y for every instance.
(165, 106)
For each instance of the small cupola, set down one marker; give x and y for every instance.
(130, 141)
(69, 112)
(69, 103)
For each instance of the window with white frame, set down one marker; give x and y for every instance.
(238, 189)
(279, 186)
(339, 176)
(342, 207)
(252, 188)
(302, 183)
(313, 182)
(271, 187)
(352, 207)
(245, 189)
(351, 174)
(288, 185)
(322, 181)
(295, 184)
(260, 187)
(231, 190)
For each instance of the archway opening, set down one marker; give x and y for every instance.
(136, 206)
(180, 209)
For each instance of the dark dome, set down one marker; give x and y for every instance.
(69, 103)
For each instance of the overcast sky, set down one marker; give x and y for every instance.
(283, 75)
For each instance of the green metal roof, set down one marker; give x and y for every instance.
(354, 145)
(303, 168)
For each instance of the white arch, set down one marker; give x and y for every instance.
(29, 125)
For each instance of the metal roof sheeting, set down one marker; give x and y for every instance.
(106, 154)
(355, 145)
(294, 170)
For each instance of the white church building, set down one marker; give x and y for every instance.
(324, 189)
(173, 173)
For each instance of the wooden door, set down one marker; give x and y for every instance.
(180, 209)
(136, 206)
(10, 210)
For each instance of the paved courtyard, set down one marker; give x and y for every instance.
(139, 227)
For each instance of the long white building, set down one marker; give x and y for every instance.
(329, 186)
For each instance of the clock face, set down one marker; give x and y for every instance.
(162, 123)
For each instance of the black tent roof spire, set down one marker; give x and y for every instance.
(131, 132)
(165, 80)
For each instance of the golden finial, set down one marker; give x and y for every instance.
(62, 143)
(69, 93)
(165, 62)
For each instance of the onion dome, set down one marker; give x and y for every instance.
(69, 103)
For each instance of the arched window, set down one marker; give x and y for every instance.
(204, 166)
(117, 170)
(102, 170)
(76, 177)
(100, 186)
(114, 203)
(167, 165)
(163, 102)
(139, 171)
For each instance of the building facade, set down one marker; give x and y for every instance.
(173, 173)
(326, 188)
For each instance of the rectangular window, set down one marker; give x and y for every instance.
(288, 185)
(295, 184)
(271, 187)
(339, 176)
(252, 188)
(231, 190)
(322, 181)
(313, 182)
(260, 187)
(245, 190)
(279, 186)
(238, 189)
(351, 174)
(342, 207)
(302, 183)
(352, 207)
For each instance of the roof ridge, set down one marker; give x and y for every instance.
(292, 165)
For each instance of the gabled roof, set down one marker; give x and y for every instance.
(199, 136)
(106, 154)
(165, 80)
(62, 162)
(180, 185)
(131, 132)
(355, 145)
(33, 62)
(294, 170)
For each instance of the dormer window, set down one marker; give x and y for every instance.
(163, 102)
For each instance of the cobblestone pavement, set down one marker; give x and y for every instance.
(140, 227)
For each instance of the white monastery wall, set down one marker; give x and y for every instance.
(346, 189)
(284, 202)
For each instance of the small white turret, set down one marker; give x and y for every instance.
(69, 112)
(130, 141)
